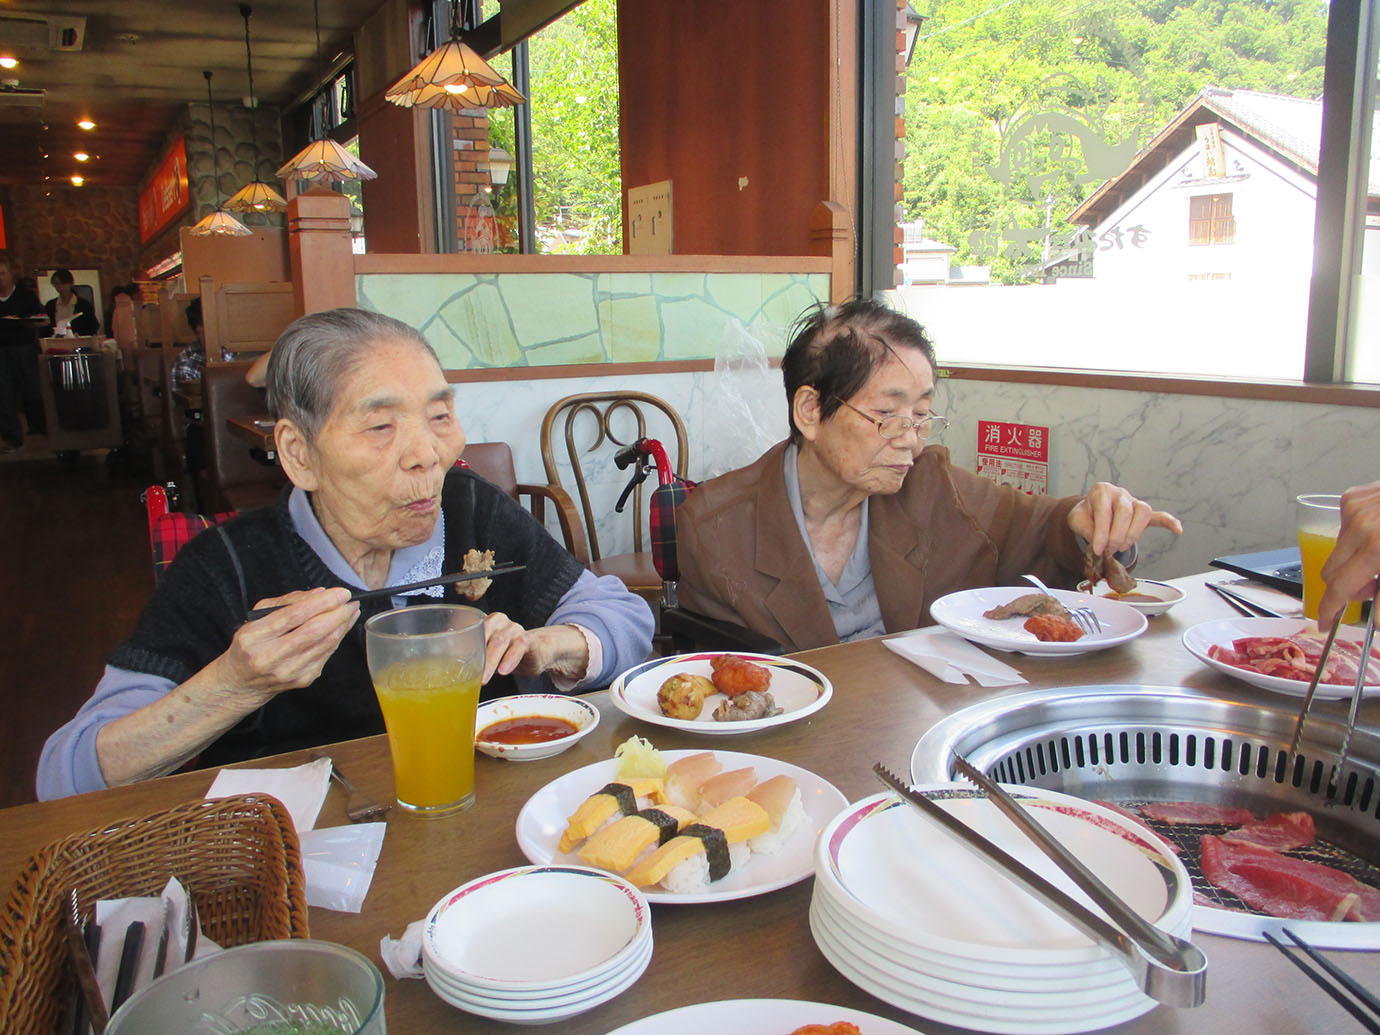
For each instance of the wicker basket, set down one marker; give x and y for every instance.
(238, 857)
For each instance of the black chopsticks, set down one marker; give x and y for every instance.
(1351, 996)
(391, 591)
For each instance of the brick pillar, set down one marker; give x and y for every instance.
(475, 229)
(898, 251)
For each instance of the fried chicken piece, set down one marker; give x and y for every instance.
(1053, 629)
(476, 560)
(682, 696)
(1029, 604)
(734, 675)
(746, 707)
(837, 1028)
(1097, 567)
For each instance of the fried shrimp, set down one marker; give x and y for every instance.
(734, 675)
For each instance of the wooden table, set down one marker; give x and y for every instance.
(753, 948)
(248, 431)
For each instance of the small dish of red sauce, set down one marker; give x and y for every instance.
(527, 729)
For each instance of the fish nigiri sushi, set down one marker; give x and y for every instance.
(722, 786)
(700, 853)
(780, 798)
(609, 801)
(685, 775)
(617, 846)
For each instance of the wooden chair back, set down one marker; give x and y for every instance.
(235, 480)
(244, 318)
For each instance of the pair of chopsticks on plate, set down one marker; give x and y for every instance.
(1167, 968)
(1347, 991)
(392, 591)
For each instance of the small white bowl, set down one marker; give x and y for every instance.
(1165, 596)
(583, 715)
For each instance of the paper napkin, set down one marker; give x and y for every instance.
(301, 789)
(403, 956)
(952, 658)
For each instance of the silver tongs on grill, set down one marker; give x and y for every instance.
(1363, 669)
(1168, 969)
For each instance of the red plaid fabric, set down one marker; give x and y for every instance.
(665, 500)
(171, 532)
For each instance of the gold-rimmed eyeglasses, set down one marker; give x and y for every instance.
(895, 426)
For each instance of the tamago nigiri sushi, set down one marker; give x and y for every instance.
(617, 846)
(611, 800)
(705, 851)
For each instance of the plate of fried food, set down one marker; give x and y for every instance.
(720, 693)
(1013, 618)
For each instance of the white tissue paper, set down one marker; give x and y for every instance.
(339, 864)
(301, 789)
(168, 911)
(403, 956)
(952, 658)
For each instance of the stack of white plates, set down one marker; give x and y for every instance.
(906, 912)
(537, 944)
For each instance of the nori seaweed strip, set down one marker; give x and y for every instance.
(715, 847)
(667, 825)
(623, 794)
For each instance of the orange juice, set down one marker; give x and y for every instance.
(1315, 548)
(428, 707)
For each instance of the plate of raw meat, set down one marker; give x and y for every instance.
(1280, 654)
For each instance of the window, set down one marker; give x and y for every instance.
(1057, 149)
(1210, 220)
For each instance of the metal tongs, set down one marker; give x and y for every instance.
(1168, 969)
(1362, 669)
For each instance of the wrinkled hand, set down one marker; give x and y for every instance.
(509, 648)
(1111, 519)
(1350, 571)
(286, 649)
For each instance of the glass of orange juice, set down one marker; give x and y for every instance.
(426, 662)
(1319, 521)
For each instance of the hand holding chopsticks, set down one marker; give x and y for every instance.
(1348, 993)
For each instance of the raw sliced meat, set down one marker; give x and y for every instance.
(1296, 657)
(1280, 831)
(1174, 812)
(1285, 887)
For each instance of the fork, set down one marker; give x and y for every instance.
(1084, 617)
(359, 807)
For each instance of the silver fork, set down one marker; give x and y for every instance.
(359, 807)
(1084, 617)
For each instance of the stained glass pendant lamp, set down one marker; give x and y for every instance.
(219, 221)
(256, 196)
(454, 76)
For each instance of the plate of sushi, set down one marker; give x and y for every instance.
(710, 826)
(719, 693)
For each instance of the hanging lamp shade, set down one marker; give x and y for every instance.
(453, 76)
(221, 222)
(256, 196)
(325, 161)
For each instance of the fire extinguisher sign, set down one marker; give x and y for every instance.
(1015, 455)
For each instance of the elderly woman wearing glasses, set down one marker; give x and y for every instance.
(853, 526)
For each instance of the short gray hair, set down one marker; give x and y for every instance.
(317, 352)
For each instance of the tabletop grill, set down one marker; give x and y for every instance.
(1130, 744)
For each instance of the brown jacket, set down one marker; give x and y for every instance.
(742, 557)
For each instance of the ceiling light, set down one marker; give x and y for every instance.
(81, 156)
(86, 124)
(6, 61)
(219, 221)
(454, 76)
(77, 181)
(254, 196)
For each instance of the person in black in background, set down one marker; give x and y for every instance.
(69, 309)
(21, 318)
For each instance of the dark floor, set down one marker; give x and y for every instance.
(74, 574)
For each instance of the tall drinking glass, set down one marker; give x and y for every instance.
(1319, 521)
(426, 662)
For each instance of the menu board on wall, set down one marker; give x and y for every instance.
(167, 194)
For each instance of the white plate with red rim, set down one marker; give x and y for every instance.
(962, 613)
(1199, 639)
(797, 689)
(543, 820)
(574, 710)
(757, 1017)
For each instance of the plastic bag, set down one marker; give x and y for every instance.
(339, 864)
(745, 411)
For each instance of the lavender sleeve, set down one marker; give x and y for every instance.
(622, 622)
(68, 763)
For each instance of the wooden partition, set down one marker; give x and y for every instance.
(261, 256)
(244, 318)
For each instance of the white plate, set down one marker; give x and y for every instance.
(961, 613)
(583, 715)
(535, 927)
(797, 689)
(898, 873)
(1164, 596)
(440, 982)
(1223, 631)
(543, 819)
(757, 1017)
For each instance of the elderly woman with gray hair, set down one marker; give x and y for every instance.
(368, 435)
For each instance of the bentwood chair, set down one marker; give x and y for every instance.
(581, 435)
